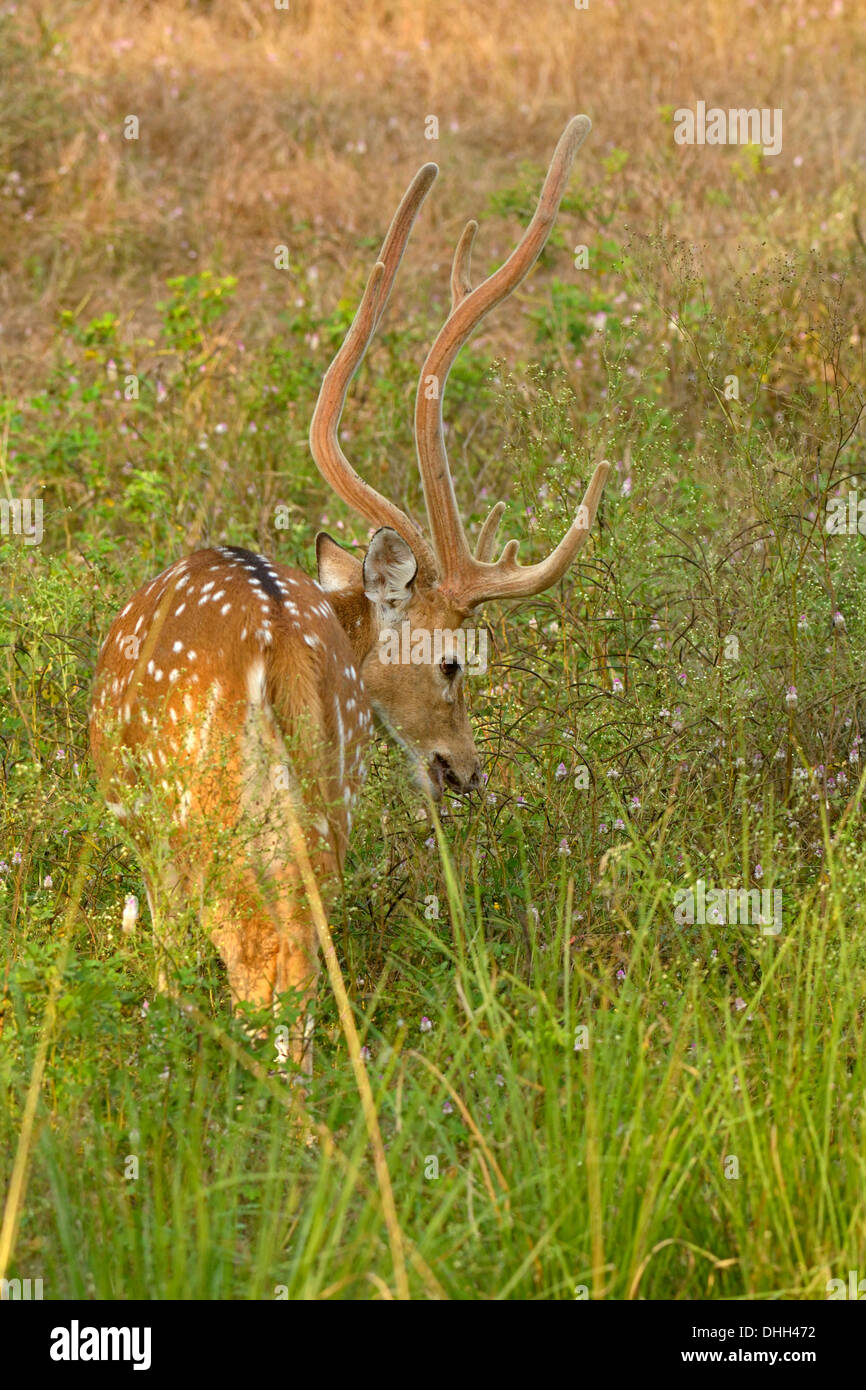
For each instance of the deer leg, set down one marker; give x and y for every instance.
(265, 934)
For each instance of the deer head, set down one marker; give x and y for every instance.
(408, 587)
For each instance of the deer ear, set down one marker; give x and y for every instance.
(390, 568)
(338, 568)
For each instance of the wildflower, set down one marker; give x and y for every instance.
(681, 677)
(603, 828)
(617, 686)
(620, 974)
(758, 871)
(791, 697)
(838, 620)
(635, 803)
(16, 858)
(447, 1108)
(365, 1053)
(625, 490)
(561, 771)
(430, 842)
(426, 1025)
(500, 1079)
(739, 1003)
(619, 824)
(563, 846)
(802, 622)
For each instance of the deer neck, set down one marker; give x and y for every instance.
(354, 614)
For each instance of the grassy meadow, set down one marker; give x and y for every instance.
(578, 1094)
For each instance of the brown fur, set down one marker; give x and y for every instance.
(231, 692)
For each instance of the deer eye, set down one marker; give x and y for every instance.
(450, 669)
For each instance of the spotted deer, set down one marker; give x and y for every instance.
(234, 693)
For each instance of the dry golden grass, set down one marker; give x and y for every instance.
(263, 126)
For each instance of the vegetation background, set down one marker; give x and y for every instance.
(577, 1097)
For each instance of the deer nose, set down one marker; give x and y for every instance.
(444, 774)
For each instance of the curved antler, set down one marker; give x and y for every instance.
(465, 578)
(324, 438)
(472, 579)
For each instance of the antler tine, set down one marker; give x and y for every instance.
(468, 309)
(461, 284)
(324, 437)
(507, 579)
(487, 535)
